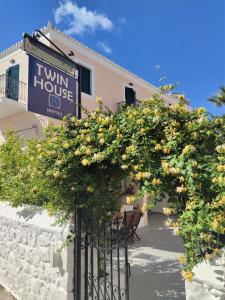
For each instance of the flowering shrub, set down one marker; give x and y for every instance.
(163, 150)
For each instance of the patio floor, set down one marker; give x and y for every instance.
(4, 295)
(155, 270)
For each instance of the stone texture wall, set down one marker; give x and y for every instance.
(31, 267)
(209, 281)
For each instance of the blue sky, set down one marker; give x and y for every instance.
(169, 40)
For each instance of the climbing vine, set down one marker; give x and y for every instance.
(163, 150)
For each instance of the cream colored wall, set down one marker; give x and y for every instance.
(22, 124)
(108, 82)
(20, 58)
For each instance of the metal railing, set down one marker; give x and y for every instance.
(121, 104)
(12, 88)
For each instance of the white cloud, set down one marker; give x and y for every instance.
(105, 47)
(80, 19)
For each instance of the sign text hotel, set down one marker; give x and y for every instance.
(51, 92)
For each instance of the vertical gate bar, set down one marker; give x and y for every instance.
(126, 259)
(118, 256)
(92, 267)
(74, 256)
(98, 279)
(78, 256)
(86, 262)
(104, 249)
(111, 260)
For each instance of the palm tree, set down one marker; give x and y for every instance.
(219, 99)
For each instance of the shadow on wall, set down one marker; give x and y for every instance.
(26, 125)
(29, 212)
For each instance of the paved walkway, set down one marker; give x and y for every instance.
(155, 270)
(4, 295)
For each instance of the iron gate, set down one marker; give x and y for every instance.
(101, 265)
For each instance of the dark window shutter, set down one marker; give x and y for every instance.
(85, 80)
(129, 95)
(13, 82)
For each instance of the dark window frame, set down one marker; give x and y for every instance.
(88, 90)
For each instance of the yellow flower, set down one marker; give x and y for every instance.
(182, 260)
(136, 167)
(59, 162)
(99, 157)
(218, 121)
(143, 130)
(140, 121)
(102, 141)
(88, 139)
(85, 162)
(130, 199)
(130, 149)
(99, 100)
(169, 222)
(165, 165)
(181, 178)
(187, 275)
(139, 176)
(181, 189)
(56, 174)
(166, 150)
(156, 181)
(124, 167)
(74, 120)
(217, 251)
(221, 148)
(146, 175)
(174, 171)
(214, 224)
(188, 149)
(181, 97)
(66, 145)
(146, 111)
(77, 153)
(195, 134)
(167, 211)
(124, 157)
(90, 189)
(88, 151)
(201, 110)
(194, 164)
(220, 168)
(158, 147)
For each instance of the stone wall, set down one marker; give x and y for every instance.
(31, 267)
(209, 281)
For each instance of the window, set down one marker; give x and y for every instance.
(130, 95)
(86, 80)
(12, 83)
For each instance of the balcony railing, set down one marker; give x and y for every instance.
(12, 88)
(122, 104)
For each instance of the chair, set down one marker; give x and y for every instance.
(130, 224)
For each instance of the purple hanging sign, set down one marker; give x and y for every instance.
(51, 92)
